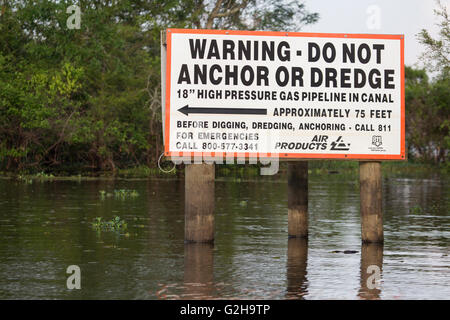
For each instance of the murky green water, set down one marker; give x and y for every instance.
(46, 226)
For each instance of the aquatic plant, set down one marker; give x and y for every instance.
(416, 210)
(119, 194)
(435, 208)
(115, 224)
(25, 179)
(243, 203)
(44, 176)
(104, 194)
(125, 193)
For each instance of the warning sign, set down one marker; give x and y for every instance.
(292, 95)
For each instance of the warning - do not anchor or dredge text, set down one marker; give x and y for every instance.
(292, 76)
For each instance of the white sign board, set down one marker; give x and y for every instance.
(292, 95)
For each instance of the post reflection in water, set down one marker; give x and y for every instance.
(371, 271)
(297, 261)
(198, 270)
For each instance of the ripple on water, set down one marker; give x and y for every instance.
(45, 231)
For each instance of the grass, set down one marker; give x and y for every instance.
(144, 172)
(40, 176)
(316, 168)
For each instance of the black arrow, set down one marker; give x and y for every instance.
(187, 110)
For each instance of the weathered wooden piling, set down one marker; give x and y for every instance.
(297, 261)
(199, 203)
(371, 202)
(298, 199)
(198, 270)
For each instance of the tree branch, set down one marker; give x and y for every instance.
(213, 14)
(232, 11)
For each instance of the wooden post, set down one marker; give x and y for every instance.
(298, 199)
(297, 261)
(199, 203)
(198, 270)
(371, 202)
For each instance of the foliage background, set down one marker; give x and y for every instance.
(89, 100)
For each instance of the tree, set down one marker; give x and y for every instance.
(428, 103)
(426, 116)
(272, 15)
(437, 54)
(89, 99)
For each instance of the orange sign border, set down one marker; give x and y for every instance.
(303, 156)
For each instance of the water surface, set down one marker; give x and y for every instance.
(46, 226)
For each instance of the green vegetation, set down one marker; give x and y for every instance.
(428, 102)
(427, 117)
(121, 194)
(40, 176)
(125, 194)
(143, 171)
(416, 210)
(432, 209)
(88, 100)
(324, 168)
(115, 224)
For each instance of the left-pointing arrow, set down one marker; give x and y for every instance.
(207, 110)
